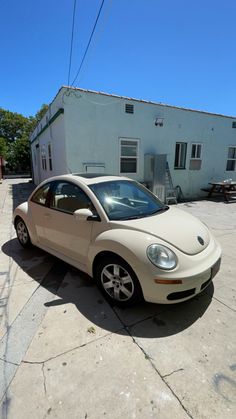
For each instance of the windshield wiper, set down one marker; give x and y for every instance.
(143, 215)
(132, 217)
(165, 208)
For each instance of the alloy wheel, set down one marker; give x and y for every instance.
(22, 232)
(117, 282)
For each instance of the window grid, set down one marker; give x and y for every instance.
(43, 156)
(180, 155)
(231, 161)
(129, 156)
(196, 152)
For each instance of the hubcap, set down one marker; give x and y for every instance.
(22, 233)
(117, 282)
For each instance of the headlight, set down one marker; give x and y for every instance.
(161, 256)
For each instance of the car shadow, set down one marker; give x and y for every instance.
(73, 286)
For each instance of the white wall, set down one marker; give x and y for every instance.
(94, 123)
(53, 135)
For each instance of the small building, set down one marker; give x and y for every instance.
(88, 131)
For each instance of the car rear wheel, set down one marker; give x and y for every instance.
(118, 282)
(22, 233)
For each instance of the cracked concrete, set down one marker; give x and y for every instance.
(44, 378)
(116, 387)
(173, 372)
(143, 362)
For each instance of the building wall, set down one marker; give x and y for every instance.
(94, 124)
(87, 137)
(53, 135)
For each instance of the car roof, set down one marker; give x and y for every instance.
(88, 178)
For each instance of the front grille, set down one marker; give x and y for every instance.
(181, 294)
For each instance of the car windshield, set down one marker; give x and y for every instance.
(126, 200)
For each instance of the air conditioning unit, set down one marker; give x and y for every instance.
(159, 191)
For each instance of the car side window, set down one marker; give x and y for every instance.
(40, 196)
(68, 197)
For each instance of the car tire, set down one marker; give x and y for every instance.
(118, 282)
(22, 233)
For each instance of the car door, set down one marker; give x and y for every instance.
(62, 232)
(38, 211)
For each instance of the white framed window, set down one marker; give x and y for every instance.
(231, 160)
(43, 156)
(196, 156)
(180, 155)
(196, 152)
(129, 155)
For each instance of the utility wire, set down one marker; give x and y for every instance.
(89, 42)
(99, 32)
(71, 42)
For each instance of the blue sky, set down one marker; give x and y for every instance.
(176, 52)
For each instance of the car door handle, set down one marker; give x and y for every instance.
(47, 215)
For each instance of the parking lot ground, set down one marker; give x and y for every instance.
(66, 353)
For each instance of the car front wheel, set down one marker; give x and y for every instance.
(118, 282)
(22, 233)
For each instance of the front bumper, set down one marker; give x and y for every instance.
(198, 285)
(195, 276)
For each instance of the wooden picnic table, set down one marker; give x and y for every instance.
(227, 189)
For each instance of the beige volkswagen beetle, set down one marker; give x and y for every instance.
(117, 231)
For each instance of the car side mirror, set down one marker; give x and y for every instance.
(85, 214)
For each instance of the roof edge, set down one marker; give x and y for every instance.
(145, 101)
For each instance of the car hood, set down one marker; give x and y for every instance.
(174, 226)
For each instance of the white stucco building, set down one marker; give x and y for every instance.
(98, 132)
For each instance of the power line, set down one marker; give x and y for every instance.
(89, 42)
(71, 42)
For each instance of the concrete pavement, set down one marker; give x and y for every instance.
(66, 353)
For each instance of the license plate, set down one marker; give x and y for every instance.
(215, 268)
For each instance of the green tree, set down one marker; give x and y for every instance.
(15, 130)
(13, 125)
(18, 156)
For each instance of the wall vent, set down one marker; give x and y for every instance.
(129, 108)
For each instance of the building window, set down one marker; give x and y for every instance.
(43, 156)
(49, 157)
(196, 157)
(129, 108)
(234, 124)
(128, 156)
(231, 161)
(180, 155)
